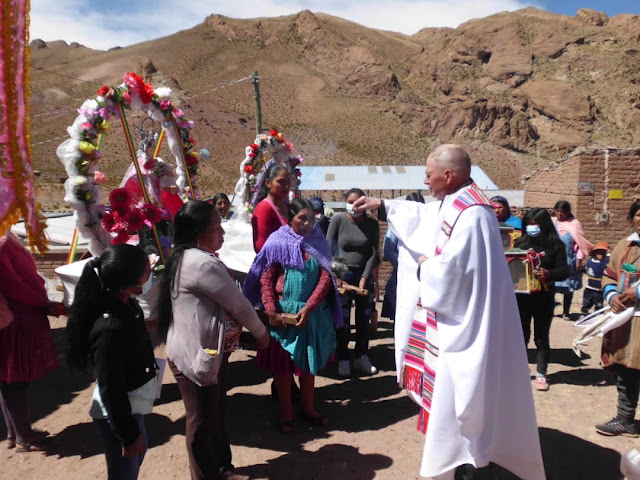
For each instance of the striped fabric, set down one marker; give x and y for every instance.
(419, 366)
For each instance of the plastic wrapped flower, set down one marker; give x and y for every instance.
(136, 220)
(151, 212)
(120, 198)
(78, 180)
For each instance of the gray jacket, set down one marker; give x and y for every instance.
(204, 293)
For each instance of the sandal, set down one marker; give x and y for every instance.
(286, 427)
(317, 420)
(11, 443)
(34, 446)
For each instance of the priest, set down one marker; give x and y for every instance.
(463, 361)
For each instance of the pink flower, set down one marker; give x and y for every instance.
(164, 105)
(86, 126)
(288, 147)
(178, 113)
(132, 80)
(99, 177)
(126, 96)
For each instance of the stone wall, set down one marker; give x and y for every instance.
(591, 179)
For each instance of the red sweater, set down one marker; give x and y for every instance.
(264, 222)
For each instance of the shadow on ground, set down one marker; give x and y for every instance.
(567, 456)
(328, 463)
(82, 439)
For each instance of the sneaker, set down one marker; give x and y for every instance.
(615, 427)
(363, 363)
(541, 383)
(344, 369)
(231, 475)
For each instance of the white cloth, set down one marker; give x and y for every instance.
(482, 409)
(415, 226)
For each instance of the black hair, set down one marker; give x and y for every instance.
(354, 190)
(219, 196)
(548, 234)
(564, 207)
(635, 206)
(191, 220)
(297, 205)
(98, 292)
(415, 197)
(272, 172)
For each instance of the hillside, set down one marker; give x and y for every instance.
(520, 89)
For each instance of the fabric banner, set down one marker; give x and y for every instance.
(17, 186)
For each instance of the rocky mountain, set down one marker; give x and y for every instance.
(520, 89)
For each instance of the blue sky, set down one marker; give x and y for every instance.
(105, 24)
(611, 8)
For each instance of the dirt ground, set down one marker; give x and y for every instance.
(372, 433)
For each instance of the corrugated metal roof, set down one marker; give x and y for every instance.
(368, 177)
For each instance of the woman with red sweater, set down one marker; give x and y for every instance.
(272, 211)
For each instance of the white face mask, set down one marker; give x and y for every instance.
(319, 217)
(146, 286)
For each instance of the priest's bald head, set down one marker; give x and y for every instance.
(448, 168)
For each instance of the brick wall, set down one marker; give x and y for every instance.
(605, 170)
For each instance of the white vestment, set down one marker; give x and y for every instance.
(482, 409)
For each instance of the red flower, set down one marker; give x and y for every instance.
(255, 147)
(273, 132)
(103, 91)
(122, 237)
(120, 198)
(150, 164)
(136, 220)
(298, 172)
(146, 92)
(252, 155)
(191, 160)
(288, 147)
(109, 221)
(152, 212)
(248, 169)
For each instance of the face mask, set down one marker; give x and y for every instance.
(533, 230)
(319, 217)
(146, 287)
(350, 211)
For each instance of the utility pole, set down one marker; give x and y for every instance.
(255, 79)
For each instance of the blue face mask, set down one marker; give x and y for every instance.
(533, 230)
(349, 208)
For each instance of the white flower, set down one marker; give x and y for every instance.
(78, 180)
(163, 92)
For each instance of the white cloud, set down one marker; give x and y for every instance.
(128, 21)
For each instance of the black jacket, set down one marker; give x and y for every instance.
(123, 360)
(554, 259)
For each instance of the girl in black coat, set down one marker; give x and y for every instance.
(539, 234)
(106, 331)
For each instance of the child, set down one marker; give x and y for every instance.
(595, 269)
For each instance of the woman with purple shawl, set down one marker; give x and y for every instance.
(291, 274)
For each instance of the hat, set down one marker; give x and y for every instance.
(316, 203)
(500, 199)
(600, 246)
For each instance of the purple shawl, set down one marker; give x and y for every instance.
(285, 247)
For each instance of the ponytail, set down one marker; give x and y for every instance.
(97, 292)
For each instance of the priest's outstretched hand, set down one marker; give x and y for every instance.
(366, 203)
